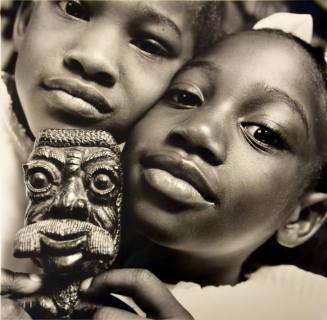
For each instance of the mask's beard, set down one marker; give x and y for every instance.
(98, 242)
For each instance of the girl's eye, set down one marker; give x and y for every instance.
(75, 9)
(185, 98)
(263, 136)
(151, 46)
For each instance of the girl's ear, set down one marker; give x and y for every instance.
(305, 221)
(22, 19)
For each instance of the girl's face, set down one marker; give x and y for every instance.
(98, 64)
(219, 164)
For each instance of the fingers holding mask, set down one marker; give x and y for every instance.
(16, 283)
(11, 310)
(148, 292)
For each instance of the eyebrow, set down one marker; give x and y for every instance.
(156, 17)
(201, 64)
(280, 95)
(42, 153)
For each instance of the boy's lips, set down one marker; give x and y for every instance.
(178, 178)
(74, 96)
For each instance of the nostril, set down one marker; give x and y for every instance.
(74, 66)
(208, 156)
(178, 140)
(105, 79)
(91, 71)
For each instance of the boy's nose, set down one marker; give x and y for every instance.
(200, 136)
(95, 58)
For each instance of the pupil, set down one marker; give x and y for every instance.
(188, 99)
(265, 136)
(74, 9)
(39, 180)
(102, 182)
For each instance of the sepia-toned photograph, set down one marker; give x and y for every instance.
(163, 159)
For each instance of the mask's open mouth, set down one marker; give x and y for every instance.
(57, 245)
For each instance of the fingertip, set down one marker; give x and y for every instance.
(35, 277)
(86, 284)
(27, 285)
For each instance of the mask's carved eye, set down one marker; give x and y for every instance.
(40, 177)
(101, 182)
(39, 180)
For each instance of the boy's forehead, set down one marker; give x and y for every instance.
(158, 11)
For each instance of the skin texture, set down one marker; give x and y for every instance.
(125, 52)
(240, 127)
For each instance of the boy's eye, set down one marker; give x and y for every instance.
(75, 9)
(185, 98)
(263, 136)
(151, 46)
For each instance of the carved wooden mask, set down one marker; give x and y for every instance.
(74, 185)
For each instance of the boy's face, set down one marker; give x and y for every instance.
(229, 146)
(99, 64)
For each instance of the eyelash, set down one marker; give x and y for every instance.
(81, 13)
(184, 98)
(277, 139)
(151, 47)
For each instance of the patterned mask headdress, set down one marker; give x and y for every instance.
(73, 181)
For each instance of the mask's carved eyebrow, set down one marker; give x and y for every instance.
(57, 158)
(151, 15)
(100, 155)
(278, 94)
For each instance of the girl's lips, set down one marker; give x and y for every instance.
(174, 188)
(76, 98)
(180, 177)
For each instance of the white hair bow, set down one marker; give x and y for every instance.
(300, 25)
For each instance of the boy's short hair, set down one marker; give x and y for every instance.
(207, 23)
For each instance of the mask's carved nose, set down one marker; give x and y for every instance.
(71, 202)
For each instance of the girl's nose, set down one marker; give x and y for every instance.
(96, 56)
(200, 135)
